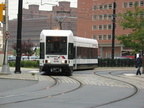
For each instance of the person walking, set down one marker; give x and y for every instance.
(138, 63)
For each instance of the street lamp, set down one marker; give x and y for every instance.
(113, 29)
(19, 30)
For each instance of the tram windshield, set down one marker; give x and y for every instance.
(56, 45)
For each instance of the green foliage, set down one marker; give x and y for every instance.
(133, 20)
(26, 63)
(33, 74)
(26, 47)
(38, 51)
(12, 64)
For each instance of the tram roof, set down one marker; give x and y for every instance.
(85, 40)
(56, 33)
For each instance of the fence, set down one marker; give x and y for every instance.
(101, 63)
(116, 62)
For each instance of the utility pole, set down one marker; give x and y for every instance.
(5, 66)
(113, 29)
(60, 20)
(19, 30)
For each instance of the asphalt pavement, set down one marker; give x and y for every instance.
(104, 92)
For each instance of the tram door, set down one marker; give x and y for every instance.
(75, 58)
(71, 54)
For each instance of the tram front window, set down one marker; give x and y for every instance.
(56, 45)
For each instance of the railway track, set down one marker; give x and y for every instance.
(46, 92)
(135, 89)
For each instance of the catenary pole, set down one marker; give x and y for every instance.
(19, 30)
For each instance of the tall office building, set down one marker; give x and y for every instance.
(35, 20)
(95, 21)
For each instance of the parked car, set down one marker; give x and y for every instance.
(24, 57)
(32, 58)
(122, 58)
(11, 58)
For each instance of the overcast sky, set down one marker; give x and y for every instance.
(13, 5)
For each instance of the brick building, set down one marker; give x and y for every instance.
(35, 20)
(95, 21)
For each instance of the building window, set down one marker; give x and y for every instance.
(127, 34)
(94, 17)
(125, 4)
(109, 37)
(130, 4)
(100, 37)
(94, 36)
(105, 16)
(94, 27)
(110, 6)
(100, 7)
(104, 37)
(137, 3)
(94, 7)
(110, 16)
(142, 14)
(109, 26)
(105, 27)
(141, 3)
(105, 6)
(100, 17)
(100, 27)
(125, 14)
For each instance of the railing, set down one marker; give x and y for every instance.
(116, 62)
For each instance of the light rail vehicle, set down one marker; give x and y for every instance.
(62, 52)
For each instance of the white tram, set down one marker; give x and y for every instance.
(61, 52)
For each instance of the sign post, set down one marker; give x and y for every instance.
(5, 66)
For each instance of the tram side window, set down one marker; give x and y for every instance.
(74, 52)
(70, 51)
(41, 50)
(94, 53)
(86, 53)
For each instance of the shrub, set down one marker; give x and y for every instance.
(26, 63)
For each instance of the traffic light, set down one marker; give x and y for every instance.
(2, 7)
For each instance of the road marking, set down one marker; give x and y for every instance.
(34, 71)
(130, 74)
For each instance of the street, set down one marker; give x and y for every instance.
(102, 87)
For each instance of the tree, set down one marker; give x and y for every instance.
(134, 20)
(26, 47)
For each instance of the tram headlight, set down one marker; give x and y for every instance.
(49, 61)
(63, 61)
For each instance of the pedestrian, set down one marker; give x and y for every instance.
(138, 64)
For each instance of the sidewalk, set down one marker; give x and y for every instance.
(33, 74)
(115, 68)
